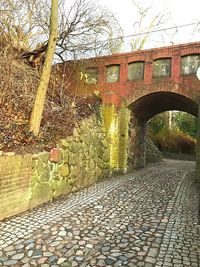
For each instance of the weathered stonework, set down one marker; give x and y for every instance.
(153, 154)
(140, 143)
(141, 150)
(127, 152)
(123, 141)
(110, 114)
(83, 160)
(78, 161)
(116, 124)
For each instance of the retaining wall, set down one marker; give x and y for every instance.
(78, 161)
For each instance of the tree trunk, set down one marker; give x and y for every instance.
(38, 107)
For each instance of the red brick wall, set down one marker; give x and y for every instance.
(15, 173)
(125, 88)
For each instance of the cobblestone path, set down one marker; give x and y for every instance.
(147, 218)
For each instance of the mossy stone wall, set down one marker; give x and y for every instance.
(97, 148)
(78, 161)
(84, 160)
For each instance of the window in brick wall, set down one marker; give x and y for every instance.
(190, 64)
(135, 71)
(91, 76)
(112, 73)
(162, 68)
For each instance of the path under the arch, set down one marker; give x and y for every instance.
(146, 218)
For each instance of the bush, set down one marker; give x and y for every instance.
(174, 141)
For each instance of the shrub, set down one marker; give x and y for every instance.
(174, 141)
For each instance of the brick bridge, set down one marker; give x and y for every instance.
(135, 87)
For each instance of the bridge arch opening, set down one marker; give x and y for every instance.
(152, 104)
(145, 108)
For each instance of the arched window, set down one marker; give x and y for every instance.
(91, 75)
(190, 64)
(112, 73)
(162, 68)
(135, 71)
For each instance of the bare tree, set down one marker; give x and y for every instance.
(84, 29)
(17, 25)
(87, 32)
(148, 21)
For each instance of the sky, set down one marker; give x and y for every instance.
(180, 12)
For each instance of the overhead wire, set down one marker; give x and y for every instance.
(158, 30)
(147, 32)
(103, 42)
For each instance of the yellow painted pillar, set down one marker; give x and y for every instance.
(111, 122)
(116, 120)
(123, 137)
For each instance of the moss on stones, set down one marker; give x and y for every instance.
(45, 174)
(41, 192)
(64, 170)
(60, 187)
(85, 157)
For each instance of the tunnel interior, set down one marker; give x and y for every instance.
(152, 104)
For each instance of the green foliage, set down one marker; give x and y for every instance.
(174, 141)
(186, 123)
(180, 120)
(158, 123)
(175, 133)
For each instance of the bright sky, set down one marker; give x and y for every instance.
(181, 12)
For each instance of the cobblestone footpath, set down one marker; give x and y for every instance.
(147, 218)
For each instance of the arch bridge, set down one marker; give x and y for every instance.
(138, 85)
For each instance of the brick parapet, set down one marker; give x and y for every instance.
(125, 88)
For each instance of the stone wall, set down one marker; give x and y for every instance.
(78, 161)
(153, 154)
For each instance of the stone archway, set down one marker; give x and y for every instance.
(149, 105)
(143, 103)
